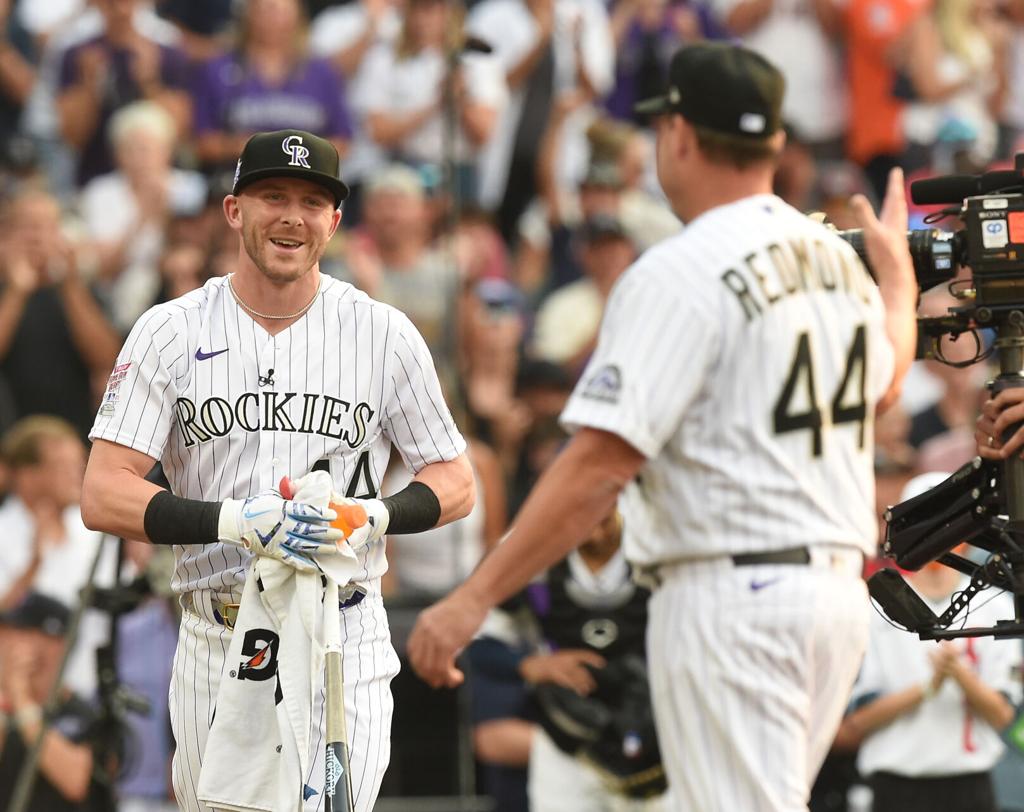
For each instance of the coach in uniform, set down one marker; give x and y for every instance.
(276, 370)
(731, 400)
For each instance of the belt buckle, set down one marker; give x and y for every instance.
(227, 613)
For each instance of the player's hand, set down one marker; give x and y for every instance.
(885, 236)
(290, 531)
(440, 634)
(377, 520)
(568, 668)
(997, 416)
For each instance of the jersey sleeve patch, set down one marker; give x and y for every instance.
(113, 390)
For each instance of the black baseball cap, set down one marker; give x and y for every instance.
(726, 88)
(290, 154)
(40, 613)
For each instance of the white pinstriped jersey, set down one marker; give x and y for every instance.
(230, 409)
(743, 358)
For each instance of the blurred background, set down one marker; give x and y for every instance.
(501, 183)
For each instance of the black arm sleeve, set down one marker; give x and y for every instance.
(412, 510)
(172, 519)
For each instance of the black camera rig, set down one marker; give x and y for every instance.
(983, 502)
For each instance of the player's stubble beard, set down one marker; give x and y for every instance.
(256, 245)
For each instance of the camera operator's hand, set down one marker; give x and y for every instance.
(997, 415)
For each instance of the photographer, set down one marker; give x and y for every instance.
(731, 400)
(31, 646)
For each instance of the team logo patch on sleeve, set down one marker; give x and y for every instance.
(604, 385)
(110, 397)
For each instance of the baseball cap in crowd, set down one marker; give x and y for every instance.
(397, 178)
(725, 88)
(602, 226)
(39, 613)
(603, 174)
(290, 154)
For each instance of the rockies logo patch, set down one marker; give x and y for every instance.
(604, 385)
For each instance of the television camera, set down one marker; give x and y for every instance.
(983, 502)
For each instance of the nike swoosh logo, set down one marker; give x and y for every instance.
(250, 515)
(202, 356)
(759, 585)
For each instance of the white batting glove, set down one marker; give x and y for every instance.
(290, 531)
(377, 519)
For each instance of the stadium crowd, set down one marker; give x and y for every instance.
(501, 183)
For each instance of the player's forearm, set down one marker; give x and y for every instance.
(453, 484)
(116, 503)
(900, 301)
(572, 496)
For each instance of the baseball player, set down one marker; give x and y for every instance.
(731, 400)
(276, 370)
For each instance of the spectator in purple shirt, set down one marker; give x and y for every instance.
(106, 72)
(267, 83)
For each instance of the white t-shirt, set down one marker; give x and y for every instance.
(335, 29)
(403, 85)
(111, 212)
(791, 37)
(63, 572)
(941, 736)
(511, 30)
(744, 358)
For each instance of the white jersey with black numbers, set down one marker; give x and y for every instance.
(744, 359)
(229, 409)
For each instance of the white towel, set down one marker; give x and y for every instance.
(261, 742)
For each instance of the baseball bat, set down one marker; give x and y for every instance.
(337, 771)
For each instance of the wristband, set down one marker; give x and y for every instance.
(412, 510)
(171, 519)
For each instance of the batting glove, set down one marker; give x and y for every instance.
(377, 519)
(290, 531)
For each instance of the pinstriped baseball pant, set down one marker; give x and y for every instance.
(370, 663)
(751, 669)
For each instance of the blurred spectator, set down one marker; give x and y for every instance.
(426, 567)
(56, 346)
(31, 647)
(391, 258)
(46, 546)
(126, 211)
(409, 89)
(876, 38)
(546, 48)
(1011, 117)
(797, 36)
(104, 73)
(347, 34)
(928, 715)
(647, 33)
(953, 128)
(268, 82)
(42, 20)
(203, 24)
(183, 268)
(17, 75)
(567, 322)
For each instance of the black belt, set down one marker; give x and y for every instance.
(794, 555)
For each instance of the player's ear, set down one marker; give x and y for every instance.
(233, 212)
(335, 222)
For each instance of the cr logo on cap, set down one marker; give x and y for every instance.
(292, 145)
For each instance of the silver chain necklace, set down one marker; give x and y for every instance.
(256, 313)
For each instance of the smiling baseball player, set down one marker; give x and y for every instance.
(276, 370)
(731, 400)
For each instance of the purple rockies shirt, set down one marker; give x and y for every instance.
(231, 97)
(120, 89)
